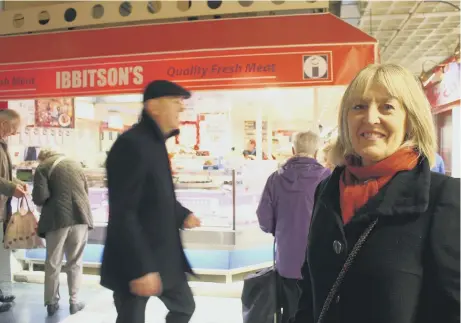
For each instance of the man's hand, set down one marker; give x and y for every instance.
(147, 285)
(19, 191)
(192, 221)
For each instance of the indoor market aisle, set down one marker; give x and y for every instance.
(29, 308)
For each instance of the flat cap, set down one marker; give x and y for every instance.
(161, 88)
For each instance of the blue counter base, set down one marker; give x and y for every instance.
(199, 259)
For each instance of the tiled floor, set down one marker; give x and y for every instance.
(29, 308)
(208, 310)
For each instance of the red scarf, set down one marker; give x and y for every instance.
(360, 183)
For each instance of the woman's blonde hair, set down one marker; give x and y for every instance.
(402, 85)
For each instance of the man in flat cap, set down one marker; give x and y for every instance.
(143, 254)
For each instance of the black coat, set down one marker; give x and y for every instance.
(144, 216)
(408, 270)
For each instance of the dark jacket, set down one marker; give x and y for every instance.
(287, 203)
(63, 196)
(408, 270)
(144, 215)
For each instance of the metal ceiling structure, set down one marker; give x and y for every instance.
(416, 34)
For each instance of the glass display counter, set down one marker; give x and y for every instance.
(225, 200)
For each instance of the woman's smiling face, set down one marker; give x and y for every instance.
(377, 125)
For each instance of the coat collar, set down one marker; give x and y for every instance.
(149, 123)
(407, 192)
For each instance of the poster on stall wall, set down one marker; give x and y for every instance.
(34, 137)
(188, 135)
(215, 133)
(55, 113)
(51, 137)
(25, 136)
(59, 136)
(68, 137)
(43, 137)
(26, 109)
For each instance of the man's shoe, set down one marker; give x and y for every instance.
(5, 307)
(52, 309)
(75, 308)
(7, 299)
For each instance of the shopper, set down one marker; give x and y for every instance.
(250, 151)
(143, 255)
(9, 187)
(326, 157)
(407, 217)
(61, 190)
(285, 211)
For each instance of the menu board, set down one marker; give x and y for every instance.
(215, 133)
(55, 113)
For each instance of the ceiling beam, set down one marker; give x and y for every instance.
(365, 11)
(402, 25)
(420, 15)
(438, 43)
(412, 49)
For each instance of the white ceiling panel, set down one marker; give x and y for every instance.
(417, 34)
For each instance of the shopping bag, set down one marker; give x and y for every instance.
(259, 303)
(21, 232)
(261, 296)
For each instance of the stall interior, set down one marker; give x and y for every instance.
(230, 142)
(245, 131)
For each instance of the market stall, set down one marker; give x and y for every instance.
(443, 90)
(254, 80)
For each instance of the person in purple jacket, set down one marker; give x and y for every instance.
(285, 211)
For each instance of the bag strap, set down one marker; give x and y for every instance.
(339, 280)
(56, 162)
(21, 202)
(277, 282)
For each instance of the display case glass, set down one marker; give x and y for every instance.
(209, 194)
(224, 199)
(253, 177)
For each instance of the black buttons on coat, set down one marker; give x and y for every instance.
(337, 247)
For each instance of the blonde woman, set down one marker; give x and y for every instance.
(9, 187)
(384, 238)
(61, 189)
(326, 155)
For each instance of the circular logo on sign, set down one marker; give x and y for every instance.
(315, 67)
